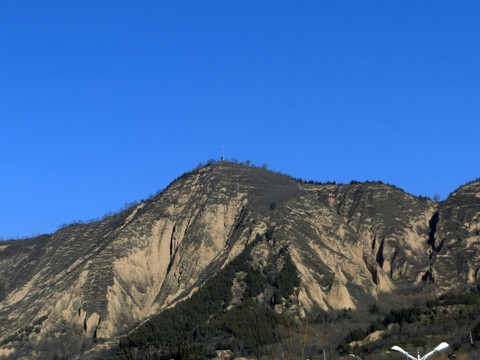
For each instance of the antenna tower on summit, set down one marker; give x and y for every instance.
(223, 153)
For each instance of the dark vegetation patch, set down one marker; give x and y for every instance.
(207, 321)
(28, 241)
(453, 317)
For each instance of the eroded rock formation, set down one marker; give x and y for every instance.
(349, 243)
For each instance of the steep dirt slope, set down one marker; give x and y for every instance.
(96, 280)
(455, 239)
(350, 243)
(394, 225)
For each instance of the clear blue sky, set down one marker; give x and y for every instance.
(105, 102)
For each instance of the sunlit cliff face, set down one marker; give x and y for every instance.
(349, 243)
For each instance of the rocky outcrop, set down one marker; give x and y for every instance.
(455, 239)
(349, 243)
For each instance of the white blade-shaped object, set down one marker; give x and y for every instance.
(399, 349)
(440, 347)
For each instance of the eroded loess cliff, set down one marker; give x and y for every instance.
(349, 244)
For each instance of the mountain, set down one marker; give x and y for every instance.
(294, 249)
